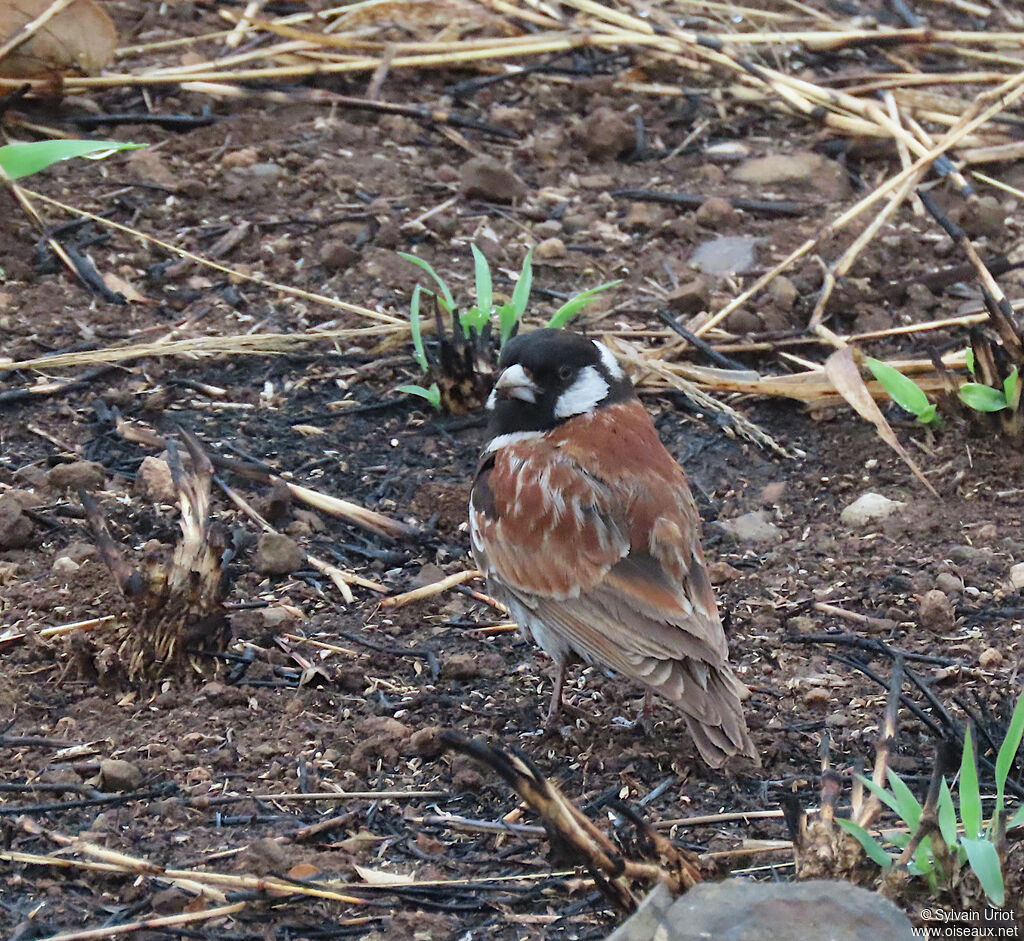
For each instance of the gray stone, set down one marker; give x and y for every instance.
(752, 527)
(153, 480)
(737, 910)
(78, 475)
(727, 254)
(277, 554)
(824, 178)
(486, 178)
(119, 775)
(15, 527)
(869, 508)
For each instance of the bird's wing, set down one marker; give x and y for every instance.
(542, 525)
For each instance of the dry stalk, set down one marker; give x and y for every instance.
(574, 834)
(176, 605)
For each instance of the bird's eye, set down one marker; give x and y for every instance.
(564, 372)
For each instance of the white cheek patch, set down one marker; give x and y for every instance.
(583, 395)
(608, 360)
(502, 441)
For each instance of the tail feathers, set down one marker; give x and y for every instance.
(714, 715)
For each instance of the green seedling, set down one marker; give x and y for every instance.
(906, 393)
(983, 398)
(977, 845)
(475, 320)
(18, 160)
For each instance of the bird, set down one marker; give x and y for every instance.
(584, 525)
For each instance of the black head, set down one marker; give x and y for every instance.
(548, 376)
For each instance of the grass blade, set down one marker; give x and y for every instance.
(414, 328)
(984, 860)
(871, 846)
(20, 160)
(880, 792)
(909, 807)
(432, 395)
(521, 292)
(982, 398)
(1008, 751)
(447, 301)
(946, 814)
(575, 304)
(484, 286)
(970, 795)
(906, 393)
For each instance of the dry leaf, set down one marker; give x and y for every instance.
(379, 877)
(308, 431)
(845, 375)
(120, 286)
(303, 871)
(80, 39)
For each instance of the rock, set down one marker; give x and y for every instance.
(460, 666)
(690, 298)
(990, 658)
(1016, 573)
(949, 583)
(784, 292)
(78, 475)
(752, 527)
(119, 775)
(337, 255)
(721, 572)
(984, 217)
(15, 527)
(869, 508)
(817, 696)
(642, 216)
(400, 129)
(715, 213)
(380, 737)
(550, 248)
(825, 178)
(268, 171)
(277, 554)
(153, 480)
(486, 178)
(737, 910)
(427, 741)
(742, 321)
(606, 134)
(728, 151)
(936, 612)
(727, 254)
(235, 159)
(63, 567)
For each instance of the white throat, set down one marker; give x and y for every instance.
(503, 441)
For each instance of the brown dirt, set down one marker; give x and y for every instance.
(329, 219)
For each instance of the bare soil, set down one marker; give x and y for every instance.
(327, 213)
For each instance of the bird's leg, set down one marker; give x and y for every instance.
(556, 696)
(642, 723)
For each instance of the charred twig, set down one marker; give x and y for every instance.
(706, 348)
(867, 643)
(570, 830)
(766, 207)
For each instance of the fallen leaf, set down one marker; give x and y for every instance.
(379, 877)
(80, 39)
(844, 373)
(303, 871)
